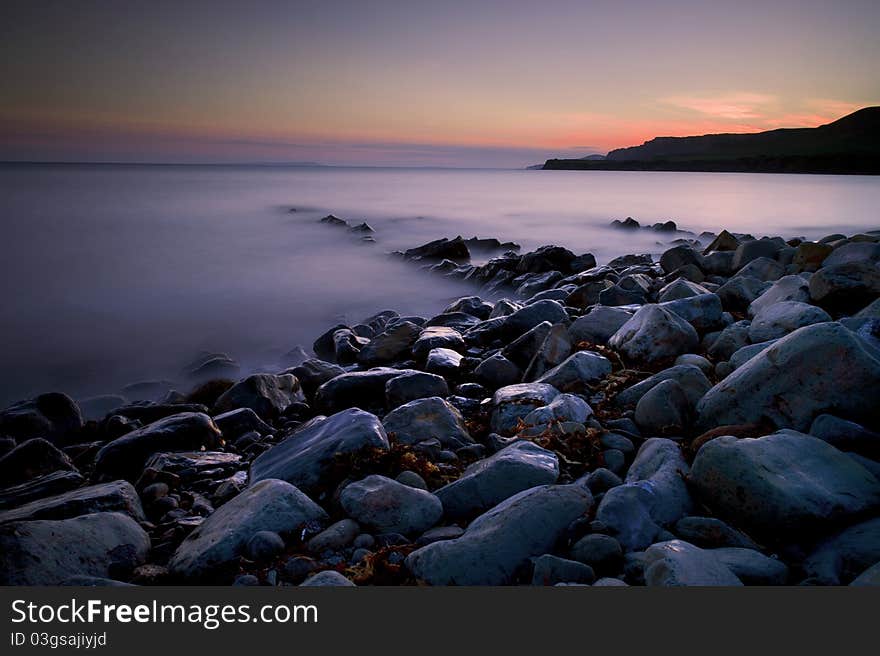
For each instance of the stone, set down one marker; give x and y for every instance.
(531, 315)
(411, 478)
(39, 488)
(846, 287)
(846, 435)
(437, 337)
(729, 340)
(751, 566)
(823, 368)
(118, 496)
(54, 417)
(870, 576)
(488, 482)
(690, 378)
(357, 389)
(680, 288)
(711, 533)
(738, 293)
(328, 578)
(853, 252)
(703, 311)
(521, 350)
(314, 372)
(555, 348)
(719, 263)
(266, 394)
(512, 403)
(211, 366)
(678, 563)
(679, 256)
(601, 552)
(601, 480)
(98, 407)
(787, 288)
(550, 570)
(31, 459)
(235, 423)
(472, 305)
(764, 269)
(214, 547)
(725, 241)
(546, 258)
(48, 551)
(264, 545)
(598, 325)
(664, 410)
(425, 419)
(537, 283)
(653, 334)
(392, 345)
(782, 318)
(696, 360)
(838, 559)
(577, 372)
(497, 544)
(125, 456)
(587, 294)
(387, 506)
(565, 407)
(416, 385)
(751, 250)
(785, 484)
(497, 371)
(305, 459)
(809, 255)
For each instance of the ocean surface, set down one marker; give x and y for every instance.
(118, 274)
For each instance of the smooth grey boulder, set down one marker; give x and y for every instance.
(512, 403)
(746, 353)
(838, 559)
(703, 312)
(679, 256)
(305, 458)
(653, 334)
(597, 326)
(214, 547)
(425, 419)
(823, 368)
(521, 350)
(577, 372)
(779, 319)
(118, 496)
(785, 484)
(550, 570)
(488, 482)
(329, 578)
(500, 542)
(555, 348)
(48, 551)
(751, 250)
(565, 407)
(437, 337)
(711, 533)
(696, 360)
(387, 506)
(846, 435)
(497, 371)
(601, 552)
(335, 537)
(678, 563)
(31, 459)
(846, 287)
(416, 385)
(678, 289)
(787, 288)
(864, 251)
(751, 566)
(690, 377)
(730, 340)
(391, 345)
(663, 410)
(53, 416)
(762, 268)
(125, 456)
(356, 389)
(235, 423)
(738, 293)
(314, 372)
(531, 315)
(443, 362)
(870, 576)
(266, 394)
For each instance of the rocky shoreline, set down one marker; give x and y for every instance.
(710, 418)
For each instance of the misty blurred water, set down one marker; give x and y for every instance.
(114, 274)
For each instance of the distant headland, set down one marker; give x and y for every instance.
(850, 145)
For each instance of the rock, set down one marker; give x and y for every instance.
(654, 496)
(609, 582)
(719, 263)
(390, 507)
(297, 568)
(846, 435)
(763, 269)
(531, 315)
(411, 478)
(752, 250)
(550, 570)
(211, 366)
(424, 419)
(787, 288)
(618, 295)
(654, 334)
(846, 287)
(538, 283)
(415, 385)
(870, 576)
(725, 241)
(678, 563)
(628, 224)
(437, 337)
(472, 305)
(314, 372)
(54, 417)
(521, 350)
(264, 545)
(488, 482)
(809, 255)
(664, 410)
(335, 537)
(853, 252)
(565, 407)
(391, 345)
(497, 371)
(125, 456)
(31, 459)
(751, 566)
(601, 552)
(305, 459)
(601, 480)
(235, 423)
(738, 293)
(443, 362)
(730, 340)
(358, 389)
(838, 559)
(680, 288)
(39, 488)
(327, 578)
(512, 403)
(703, 312)
(266, 394)
(555, 348)
(697, 361)
(500, 542)
(816, 369)
(711, 533)
(746, 353)
(48, 552)
(690, 378)
(598, 325)
(782, 318)
(118, 496)
(98, 407)
(587, 294)
(485, 332)
(214, 547)
(783, 484)
(679, 256)
(577, 371)
(546, 258)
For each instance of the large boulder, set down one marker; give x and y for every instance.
(214, 547)
(823, 368)
(500, 542)
(597, 326)
(654, 333)
(846, 287)
(777, 320)
(386, 506)
(305, 458)
(703, 311)
(416, 385)
(52, 416)
(787, 288)
(488, 482)
(266, 394)
(391, 345)
(313, 373)
(512, 403)
(752, 250)
(124, 457)
(30, 459)
(531, 315)
(48, 552)
(357, 389)
(117, 496)
(679, 563)
(425, 419)
(577, 372)
(690, 377)
(840, 558)
(437, 337)
(782, 485)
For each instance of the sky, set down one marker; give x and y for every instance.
(480, 83)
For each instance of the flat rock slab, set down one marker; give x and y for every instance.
(118, 496)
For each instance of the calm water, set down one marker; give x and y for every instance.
(119, 274)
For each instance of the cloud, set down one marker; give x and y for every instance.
(732, 106)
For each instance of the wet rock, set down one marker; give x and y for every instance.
(305, 459)
(680, 288)
(501, 541)
(546, 258)
(335, 537)
(816, 369)
(728, 341)
(497, 371)
(601, 552)
(678, 563)
(456, 320)
(565, 407)
(738, 293)
(521, 350)
(866, 252)
(211, 366)
(488, 482)
(870, 576)
(758, 248)
(782, 318)
(653, 334)
(538, 283)
(787, 288)
(763, 269)
(751, 566)
(266, 394)
(530, 316)
(437, 337)
(473, 305)
(54, 417)
(711, 533)
(679, 256)
(840, 558)
(512, 403)
(443, 362)
(598, 325)
(314, 372)
(215, 546)
(425, 419)
(846, 435)
(264, 545)
(387, 506)
(703, 312)
(440, 249)
(48, 552)
(550, 570)
(416, 385)
(664, 410)
(390, 346)
(725, 241)
(31, 459)
(329, 578)
(809, 255)
(783, 484)
(358, 389)
(411, 478)
(555, 348)
(124, 457)
(118, 496)
(39, 488)
(846, 287)
(235, 423)
(587, 294)
(577, 372)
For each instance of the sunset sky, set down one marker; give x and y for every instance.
(394, 82)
